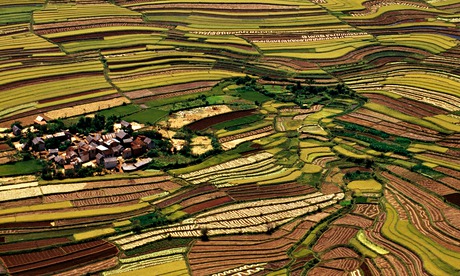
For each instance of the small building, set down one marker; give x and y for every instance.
(104, 151)
(138, 146)
(38, 144)
(112, 143)
(121, 135)
(99, 159)
(127, 141)
(16, 130)
(127, 153)
(53, 152)
(125, 124)
(90, 139)
(118, 150)
(69, 169)
(61, 136)
(149, 143)
(40, 121)
(70, 153)
(110, 162)
(84, 155)
(59, 160)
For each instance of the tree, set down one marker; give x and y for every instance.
(204, 233)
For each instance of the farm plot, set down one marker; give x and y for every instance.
(183, 118)
(233, 168)
(235, 218)
(234, 251)
(55, 260)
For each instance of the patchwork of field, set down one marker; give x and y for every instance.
(309, 178)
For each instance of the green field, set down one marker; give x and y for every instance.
(348, 162)
(21, 168)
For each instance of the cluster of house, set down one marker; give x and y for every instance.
(108, 150)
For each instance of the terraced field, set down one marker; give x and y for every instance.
(316, 137)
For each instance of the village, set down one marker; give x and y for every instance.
(116, 151)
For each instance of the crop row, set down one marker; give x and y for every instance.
(234, 219)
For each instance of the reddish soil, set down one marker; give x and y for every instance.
(451, 182)
(231, 251)
(339, 252)
(448, 171)
(365, 268)
(335, 235)
(35, 224)
(19, 246)
(254, 191)
(210, 121)
(207, 204)
(453, 198)
(4, 147)
(354, 221)
(58, 259)
(407, 106)
(421, 180)
(187, 194)
(91, 268)
(342, 264)
(321, 271)
(368, 210)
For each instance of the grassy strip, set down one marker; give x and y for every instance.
(362, 249)
(363, 239)
(21, 168)
(342, 151)
(93, 234)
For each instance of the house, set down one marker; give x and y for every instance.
(38, 144)
(121, 135)
(127, 153)
(90, 139)
(117, 150)
(40, 121)
(84, 156)
(110, 162)
(77, 162)
(70, 153)
(69, 169)
(16, 130)
(149, 143)
(53, 152)
(106, 152)
(99, 158)
(125, 124)
(138, 146)
(127, 141)
(112, 143)
(61, 136)
(59, 160)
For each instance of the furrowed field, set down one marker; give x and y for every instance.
(317, 137)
